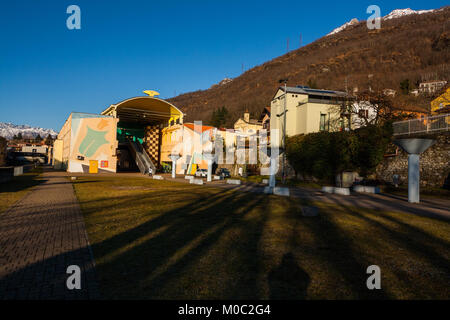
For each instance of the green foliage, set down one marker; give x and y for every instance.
(49, 140)
(405, 86)
(219, 117)
(323, 155)
(372, 143)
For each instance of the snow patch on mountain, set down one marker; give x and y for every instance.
(222, 82)
(397, 13)
(9, 130)
(344, 26)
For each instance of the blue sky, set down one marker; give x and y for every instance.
(124, 47)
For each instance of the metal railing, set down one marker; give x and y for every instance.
(424, 125)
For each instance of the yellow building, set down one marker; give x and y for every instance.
(182, 140)
(307, 110)
(247, 125)
(441, 104)
(126, 136)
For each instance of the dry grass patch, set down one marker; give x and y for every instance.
(166, 240)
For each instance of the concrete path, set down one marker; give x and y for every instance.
(40, 236)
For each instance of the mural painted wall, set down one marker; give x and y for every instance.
(89, 143)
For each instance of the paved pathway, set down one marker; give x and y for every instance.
(40, 236)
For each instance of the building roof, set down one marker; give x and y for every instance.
(144, 109)
(191, 126)
(317, 92)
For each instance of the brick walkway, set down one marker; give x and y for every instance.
(40, 236)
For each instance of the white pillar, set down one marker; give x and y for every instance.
(174, 159)
(272, 179)
(413, 178)
(210, 158)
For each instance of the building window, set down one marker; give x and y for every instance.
(363, 114)
(323, 118)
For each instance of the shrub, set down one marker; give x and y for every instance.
(323, 155)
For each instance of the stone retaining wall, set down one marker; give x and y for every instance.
(434, 165)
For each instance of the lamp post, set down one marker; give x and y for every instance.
(283, 170)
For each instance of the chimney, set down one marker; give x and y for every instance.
(246, 116)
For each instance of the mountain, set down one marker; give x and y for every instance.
(344, 26)
(412, 46)
(397, 13)
(9, 130)
(404, 12)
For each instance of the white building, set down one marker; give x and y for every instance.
(431, 86)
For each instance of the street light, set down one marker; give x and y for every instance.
(283, 172)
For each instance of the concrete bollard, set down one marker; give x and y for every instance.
(156, 177)
(234, 181)
(196, 181)
(281, 191)
(359, 188)
(18, 171)
(268, 190)
(328, 189)
(366, 189)
(342, 191)
(189, 177)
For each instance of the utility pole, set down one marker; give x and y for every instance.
(283, 172)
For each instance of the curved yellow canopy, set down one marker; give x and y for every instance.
(145, 109)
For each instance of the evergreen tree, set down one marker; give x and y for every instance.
(38, 138)
(219, 117)
(49, 140)
(19, 136)
(405, 86)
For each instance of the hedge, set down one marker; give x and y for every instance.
(323, 155)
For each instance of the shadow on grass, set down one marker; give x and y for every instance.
(22, 182)
(182, 235)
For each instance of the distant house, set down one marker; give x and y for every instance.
(307, 110)
(247, 125)
(43, 149)
(265, 119)
(431, 86)
(389, 92)
(363, 113)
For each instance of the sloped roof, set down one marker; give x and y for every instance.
(191, 126)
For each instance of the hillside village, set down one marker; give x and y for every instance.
(290, 181)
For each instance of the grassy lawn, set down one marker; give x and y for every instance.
(165, 240)
(14, 190)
